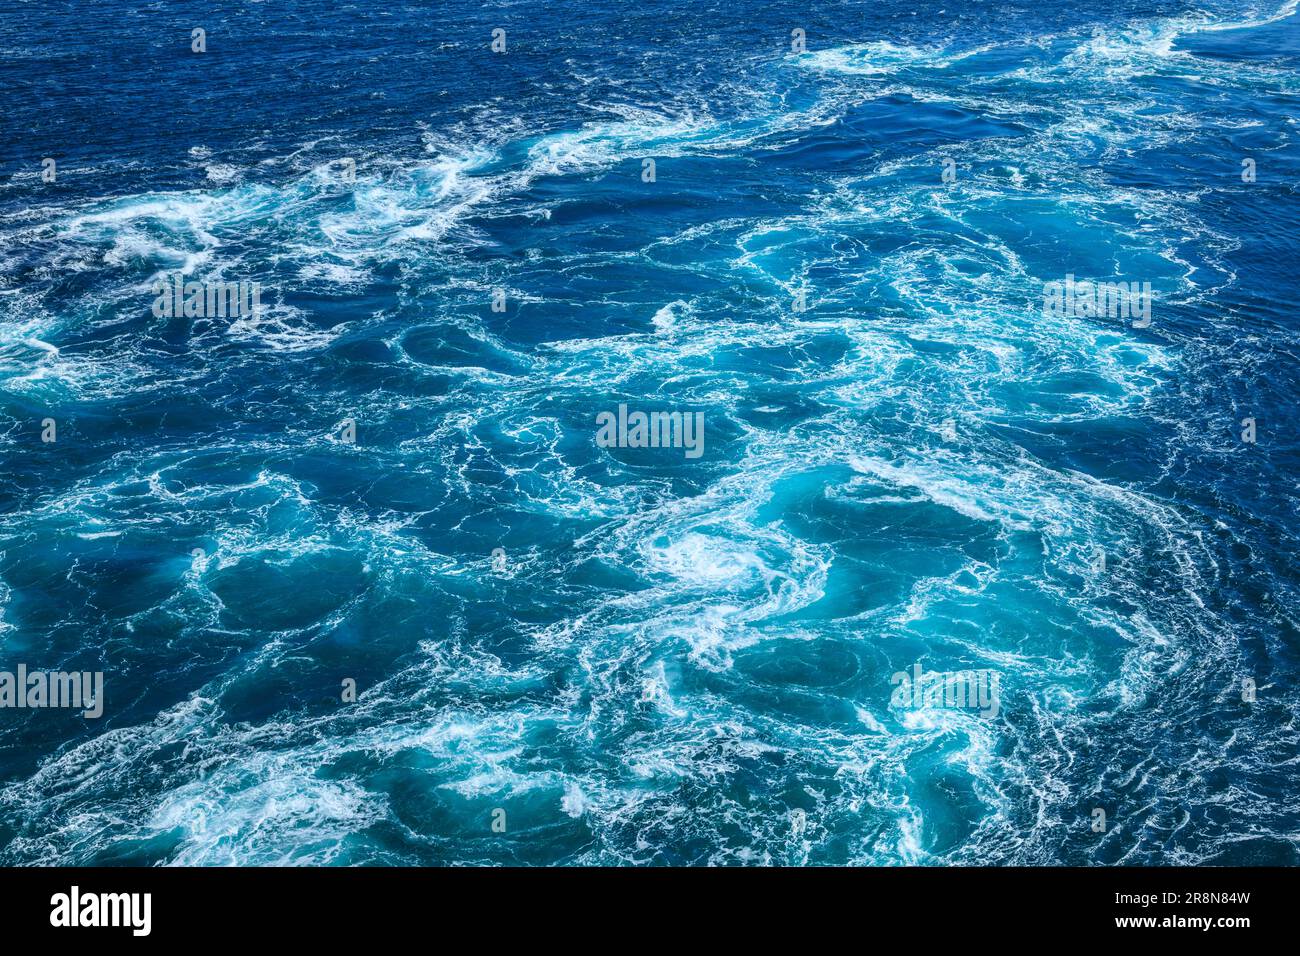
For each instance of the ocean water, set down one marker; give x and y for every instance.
(566, 653)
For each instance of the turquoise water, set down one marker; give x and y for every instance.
(628, 655)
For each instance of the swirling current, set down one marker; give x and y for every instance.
(827, 229)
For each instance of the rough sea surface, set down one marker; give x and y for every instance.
(670, 660)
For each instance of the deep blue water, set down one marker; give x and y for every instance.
(671, 660)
